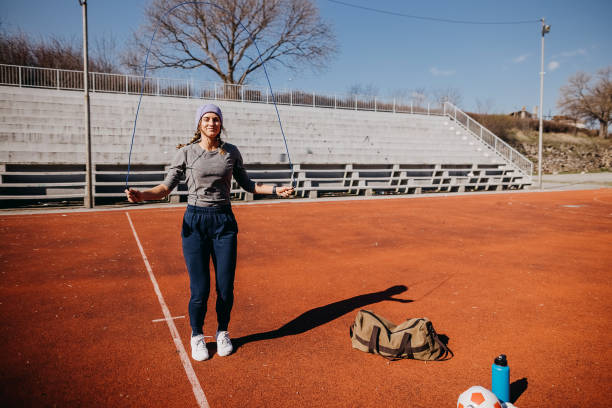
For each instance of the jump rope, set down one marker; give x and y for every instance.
(144, 75)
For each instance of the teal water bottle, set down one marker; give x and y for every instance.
(500, 378)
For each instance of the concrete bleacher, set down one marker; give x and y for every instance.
(333, 150)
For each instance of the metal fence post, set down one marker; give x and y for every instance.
(335, 103)
(313, 99)
(20, 76)
(428, 103)
(393, 105)
(126, 85)
(374, 104)
(57, 78)
(411, 106)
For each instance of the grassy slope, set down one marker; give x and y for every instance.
(564, 150)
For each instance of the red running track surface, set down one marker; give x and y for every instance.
(525, 274)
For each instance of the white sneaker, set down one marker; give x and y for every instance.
(224, 344)
(199, 352)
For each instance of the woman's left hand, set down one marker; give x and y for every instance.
(284, 191)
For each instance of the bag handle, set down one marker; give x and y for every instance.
(446, 351)
(405, 346)
(444, 354)
(373, 344)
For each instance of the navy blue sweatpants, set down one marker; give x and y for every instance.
(210, 232)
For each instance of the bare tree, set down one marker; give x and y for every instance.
(15, 49)
(56, 52)
(106, 54)
(450, 94)
(419, 96)
(53, 52)
(485, 106)
(589, 98)
(364, 90)
(288, 33)
(400, 94)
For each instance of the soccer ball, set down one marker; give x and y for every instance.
(478, 397)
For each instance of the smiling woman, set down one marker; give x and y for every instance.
(209, 226)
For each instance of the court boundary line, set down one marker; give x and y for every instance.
(165, 319)
(191, 375)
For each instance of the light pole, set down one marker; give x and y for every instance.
(545, 29)
(88, 200)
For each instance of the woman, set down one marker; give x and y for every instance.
(209, 227)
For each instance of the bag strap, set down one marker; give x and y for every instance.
(444, 355)
(405, 346)
(373, 344)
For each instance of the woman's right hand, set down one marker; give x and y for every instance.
(133, 195)
(284, 191)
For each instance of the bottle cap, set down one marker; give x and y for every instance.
(501, 360)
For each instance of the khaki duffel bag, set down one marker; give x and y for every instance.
(414, 338)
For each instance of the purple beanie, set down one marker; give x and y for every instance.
(204, 109)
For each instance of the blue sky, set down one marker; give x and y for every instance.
(497, 65)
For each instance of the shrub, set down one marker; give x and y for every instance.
(504, 125)
(500, 125)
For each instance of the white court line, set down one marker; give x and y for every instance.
(165, 320)
(193, 379)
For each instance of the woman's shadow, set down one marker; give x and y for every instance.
(324, 314)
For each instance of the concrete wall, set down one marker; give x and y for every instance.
(43, 126)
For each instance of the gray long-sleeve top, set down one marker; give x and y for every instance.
(208, 174)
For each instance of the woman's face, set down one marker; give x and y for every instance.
(210, 125)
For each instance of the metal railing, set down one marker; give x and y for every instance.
(501, 148)
(34, 77)
(15, 75)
